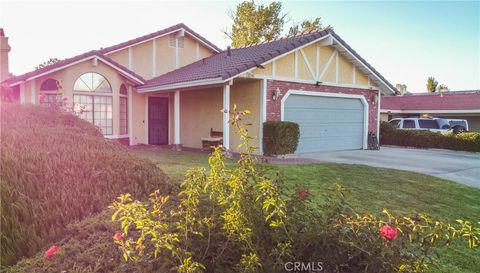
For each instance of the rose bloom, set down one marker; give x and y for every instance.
(118, 236)
(51, 252)
(388, 232)
(41, 98)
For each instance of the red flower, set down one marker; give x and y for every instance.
(41, 98)
(388, 232)
(51, 252)
(118, 236)
(303, 194)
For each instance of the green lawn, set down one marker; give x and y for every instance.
(370, 189)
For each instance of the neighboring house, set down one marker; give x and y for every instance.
(452, 105)
(169, 87)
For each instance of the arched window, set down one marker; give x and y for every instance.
(49, 85)
(49, 92)
(123, 109)
(123, 89)
(97, 107)
(92, 82)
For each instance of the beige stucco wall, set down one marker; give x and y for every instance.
(247, 97)
(285, 67)
(142, 56)
(120, 57)
(187, 54)
(165, 56)
(139, 115)
(200, 110)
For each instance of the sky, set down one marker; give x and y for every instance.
(405, 41)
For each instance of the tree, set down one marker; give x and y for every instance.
(432, 84)
(305, 26)
(442, 87)
(254, 23)
(47, 63)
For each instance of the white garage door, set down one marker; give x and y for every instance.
(326, 123)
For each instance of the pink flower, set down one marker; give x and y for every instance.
(303, 194)
(41, 98)
(64, 98)
(118, 236)
(388, 232)
(51, 252)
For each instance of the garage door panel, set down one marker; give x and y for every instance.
(327, 114)
(326, 123)
(331, 130)
(300, 101)
(325, 144)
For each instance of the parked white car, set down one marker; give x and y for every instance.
(430, 124)
(458, 125)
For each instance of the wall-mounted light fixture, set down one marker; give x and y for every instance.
(375, 99)
(276, 94)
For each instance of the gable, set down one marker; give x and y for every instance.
(156, 56)
(314, 63)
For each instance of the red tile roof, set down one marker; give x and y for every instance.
(223, 67)
(104, 51)
(433, 101)
(70, 61)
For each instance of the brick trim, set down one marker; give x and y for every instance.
(274, 107)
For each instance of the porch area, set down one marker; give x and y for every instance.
(182, 118)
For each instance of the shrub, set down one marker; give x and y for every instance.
(236, 219)
(56, 168)
(280, 137)
(426, 139)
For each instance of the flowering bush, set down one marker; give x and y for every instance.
(238, 219)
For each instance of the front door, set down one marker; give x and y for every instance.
(158, 121)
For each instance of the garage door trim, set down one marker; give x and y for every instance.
(331, 95)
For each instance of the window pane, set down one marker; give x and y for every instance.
(123, 90)
(123, 116)
(408, 124)
(395, 123)
(103, 114)
(49, 85)
(428, 124)
(83, 104)
(92, 82)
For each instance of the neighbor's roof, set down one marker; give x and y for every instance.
(104, 51)
(452, 100)
(221, 67)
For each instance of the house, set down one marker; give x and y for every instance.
(169, 87)
(451, 105)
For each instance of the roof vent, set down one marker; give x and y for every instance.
(229, 53)
(2, 33)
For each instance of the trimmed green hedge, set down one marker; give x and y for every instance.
(280, 137)
(426, 139)
(55, 169)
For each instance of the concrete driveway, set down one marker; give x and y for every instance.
(462, 167)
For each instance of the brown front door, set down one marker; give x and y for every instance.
(158, 121)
